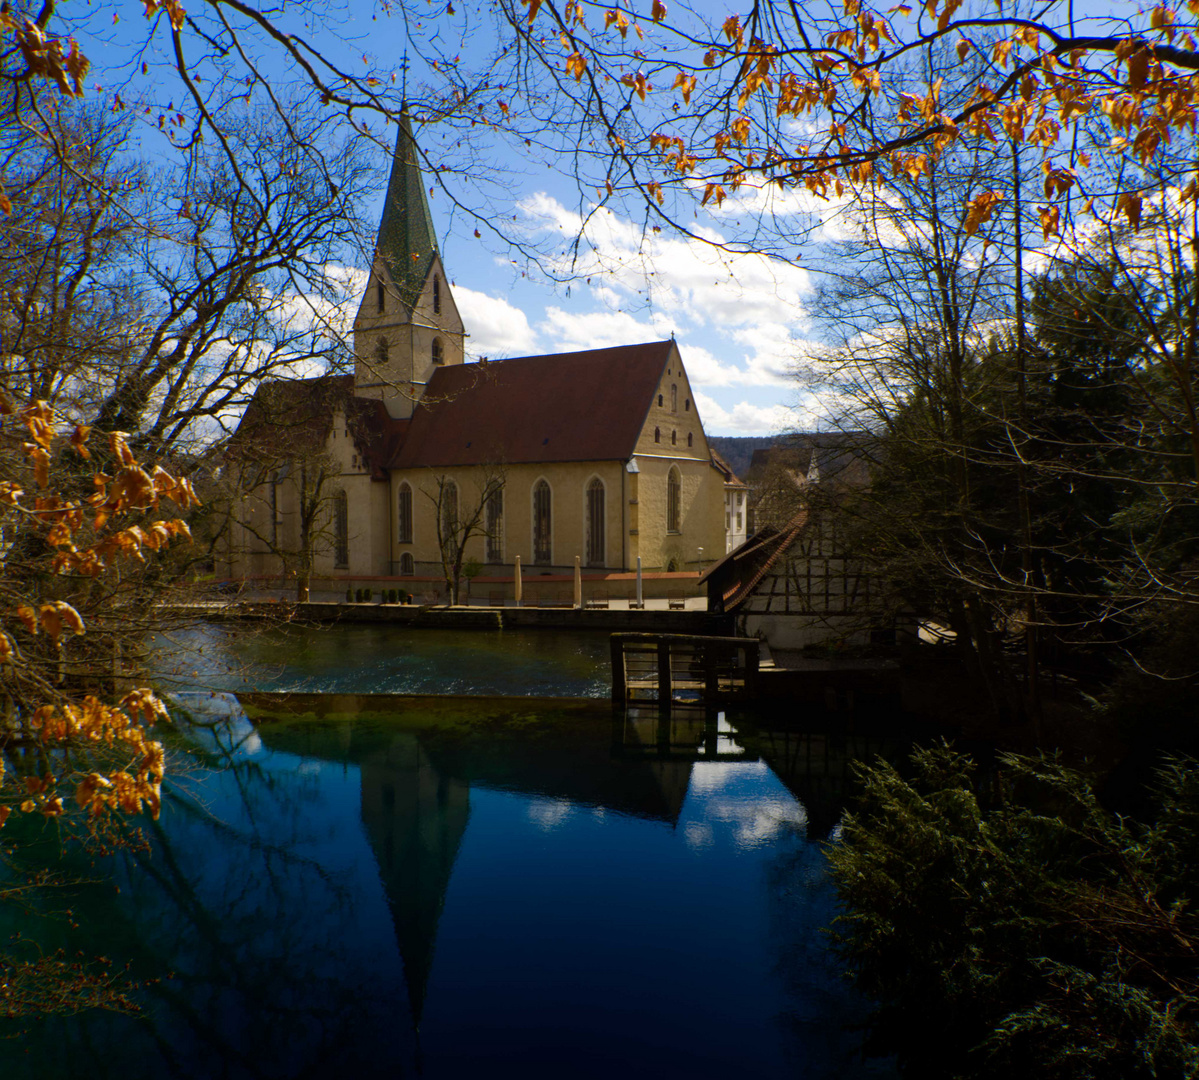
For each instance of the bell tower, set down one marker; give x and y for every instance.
(407, 323)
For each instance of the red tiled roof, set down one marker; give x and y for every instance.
(582, 406)
(285, 418)
(730, 477)
(377, 436)
(739, 572)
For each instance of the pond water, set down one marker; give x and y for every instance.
(386, 660)
(446, 887)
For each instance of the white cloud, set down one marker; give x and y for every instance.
(689, 282)
(704, 368)
(746, 418)
(496, 328)
(736, 317)
(569, 331)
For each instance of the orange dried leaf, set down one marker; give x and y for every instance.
(981, 210)
(120, 448)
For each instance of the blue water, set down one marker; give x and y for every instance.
(378, 886)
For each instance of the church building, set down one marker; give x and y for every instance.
(598, 454)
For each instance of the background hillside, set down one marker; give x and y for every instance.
(737, 450)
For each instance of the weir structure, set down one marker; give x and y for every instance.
(682, 669)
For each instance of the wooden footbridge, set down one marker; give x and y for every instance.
(684, 669)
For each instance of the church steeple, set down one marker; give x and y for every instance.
(407, 324)
(407, 242)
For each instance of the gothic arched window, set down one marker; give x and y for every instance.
(596, 522)
(404, 530)
(543, 546)
(495, 525)
(674, 397)
(449, 511)
(407, 564)
(674, 499)
(341, 530)
(436, 295)
(438, 351)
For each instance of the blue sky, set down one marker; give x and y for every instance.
(740, 322)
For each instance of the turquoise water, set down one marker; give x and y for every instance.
(386, 660)
(445, 888)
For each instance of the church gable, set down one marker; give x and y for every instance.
(672, 425)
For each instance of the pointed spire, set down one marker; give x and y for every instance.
(407, 242)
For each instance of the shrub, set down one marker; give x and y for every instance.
(349, 595)
(1037, 934)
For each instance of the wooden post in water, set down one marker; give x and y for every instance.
(619, 679)
(665, 696)
(751, 667)
(711, 674)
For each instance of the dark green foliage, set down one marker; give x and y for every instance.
(1031, 933)
(349, 595)
(1154, 701)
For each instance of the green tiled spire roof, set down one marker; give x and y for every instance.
(407, 241)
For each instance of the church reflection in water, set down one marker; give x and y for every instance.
(415, 816)
(449, 887)
(417, 772)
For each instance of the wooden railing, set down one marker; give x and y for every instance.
(664, 668)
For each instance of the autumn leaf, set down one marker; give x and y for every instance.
(658, 12)
(29, 617)
(638, 83)
(41, 463)
(981, 210)
(1130, 205)
(79, 441)
(685, 83)
(58, 617)
(1050, 221)
(120, 447)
